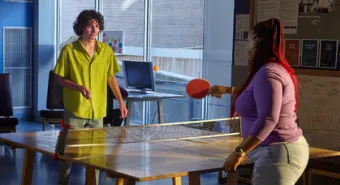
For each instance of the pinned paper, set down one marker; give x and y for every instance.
(114, 39)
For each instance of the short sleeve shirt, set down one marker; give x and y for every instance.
(77, 66)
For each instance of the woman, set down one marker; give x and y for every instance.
(267, 103)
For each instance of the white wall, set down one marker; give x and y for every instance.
(44, 20)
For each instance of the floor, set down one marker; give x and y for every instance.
(46, 168)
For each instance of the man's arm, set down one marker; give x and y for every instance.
(113, 83)
(65, 83)
(113, 69)
(61, 71)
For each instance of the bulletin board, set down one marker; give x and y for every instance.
(311, 32)
(115, 39)
(312, 38)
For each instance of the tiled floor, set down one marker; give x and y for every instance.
(46, 169)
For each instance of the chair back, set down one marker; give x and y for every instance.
(54, 93)
(6, 106)
(123, 92)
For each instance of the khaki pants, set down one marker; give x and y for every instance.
(75, 123)
(280, 164)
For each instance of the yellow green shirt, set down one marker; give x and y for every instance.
(77, 66)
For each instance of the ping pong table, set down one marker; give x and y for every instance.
(139, 153)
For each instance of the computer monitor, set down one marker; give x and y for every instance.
(139, 75)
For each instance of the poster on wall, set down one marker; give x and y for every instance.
(115, 40)
(286, 10)
(314, 7)
(328, 54)
(240, 53)
(309, 53)
(242, 26)
(292, 51)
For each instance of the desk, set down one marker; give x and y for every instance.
(156, 96)
(138, 153)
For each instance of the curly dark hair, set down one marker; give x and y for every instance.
(83, 19)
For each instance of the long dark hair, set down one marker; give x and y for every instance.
(269, 49)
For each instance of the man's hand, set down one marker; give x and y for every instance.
(123, 111)
(85, 92)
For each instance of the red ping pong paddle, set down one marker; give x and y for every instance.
(198, 88)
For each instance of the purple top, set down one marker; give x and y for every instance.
(267, 106)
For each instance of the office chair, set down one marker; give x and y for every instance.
(113, 115)
(7, 122)
(54, 103)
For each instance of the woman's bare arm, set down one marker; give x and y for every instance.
(219, 90)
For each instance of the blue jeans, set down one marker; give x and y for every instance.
(75, 123)
(279, 163)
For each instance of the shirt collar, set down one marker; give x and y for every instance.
(98, 48)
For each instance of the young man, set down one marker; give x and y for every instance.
(84, 68)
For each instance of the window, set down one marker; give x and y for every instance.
(177, 50)
(177, 38)
(173, 41)
(68, 14)
(127, 16)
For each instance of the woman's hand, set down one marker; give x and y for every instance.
(217, 91)
(232, 161)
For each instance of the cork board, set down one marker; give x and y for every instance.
(317, 29)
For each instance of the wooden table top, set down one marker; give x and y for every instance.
(142, 153)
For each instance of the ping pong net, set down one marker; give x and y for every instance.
(213, 130)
